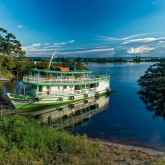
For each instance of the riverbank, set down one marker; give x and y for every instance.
(23, 141)
(112, 153)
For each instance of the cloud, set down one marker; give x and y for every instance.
(46, 46)
(155, 2)
(144, 40)
(33, 47)
(36, 45)
(20, 26)
(89, 51)
(107, 38)
(141, 49)
(146, 44)
(64, 43)
(72, 53)
(46, 43)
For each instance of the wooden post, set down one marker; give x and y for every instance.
(17, 74)
(1, 114)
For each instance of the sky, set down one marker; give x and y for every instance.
(87, 28)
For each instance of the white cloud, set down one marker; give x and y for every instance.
(46, 46)
(94, 52)
(52, 46)
(107, 38)
(155, 2)
(88, 51)
(161, 42)
(141, 49)
(20, 26)
(46, 43)
(36, 45)
(143, 40)
(64, 43)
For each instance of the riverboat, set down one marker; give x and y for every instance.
(59, 86)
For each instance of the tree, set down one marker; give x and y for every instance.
(43, 64)
(11, 53)
(152, 88)
(9, 46)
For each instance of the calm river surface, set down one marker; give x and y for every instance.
(126, 120)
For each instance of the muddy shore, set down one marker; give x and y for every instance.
(121, 154)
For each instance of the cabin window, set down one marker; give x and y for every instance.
(64, 87)
(34, 87)
(87, 86)
(93, 85)
(77, 87)
(40, 88)
(83, 86)
(48, 87)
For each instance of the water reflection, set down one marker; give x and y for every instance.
(154, 101)
(152, 91)
(70, 115)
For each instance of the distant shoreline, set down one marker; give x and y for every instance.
(102, 59)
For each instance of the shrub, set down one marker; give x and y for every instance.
(23, 141)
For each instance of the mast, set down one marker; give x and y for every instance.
(54, 53)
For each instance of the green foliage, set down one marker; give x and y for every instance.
(137, 59)
(43, 64)
(152, 88)
(23, 141)
(4, 73)
(9, 46)
(11, 54)
(78, 64)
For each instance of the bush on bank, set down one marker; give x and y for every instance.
(23, 141)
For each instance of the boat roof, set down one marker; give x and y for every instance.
(60, 72)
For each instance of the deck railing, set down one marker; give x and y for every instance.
(64, 93)
(32, 79)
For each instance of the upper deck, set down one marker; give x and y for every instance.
(61, 78)
(63, 81)
(46, 71)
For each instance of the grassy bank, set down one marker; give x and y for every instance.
(23, 141)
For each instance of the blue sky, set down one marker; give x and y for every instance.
(87, 28)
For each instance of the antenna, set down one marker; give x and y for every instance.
(54, 53)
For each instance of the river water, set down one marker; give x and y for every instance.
(126, 119)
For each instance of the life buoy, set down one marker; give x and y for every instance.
(96, 94)
(85, 101)
(86, 96)
(71, 97)
(71, 106)
(37, 99)
(59, 109)
(60, 99)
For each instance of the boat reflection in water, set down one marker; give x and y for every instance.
(73, 114)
